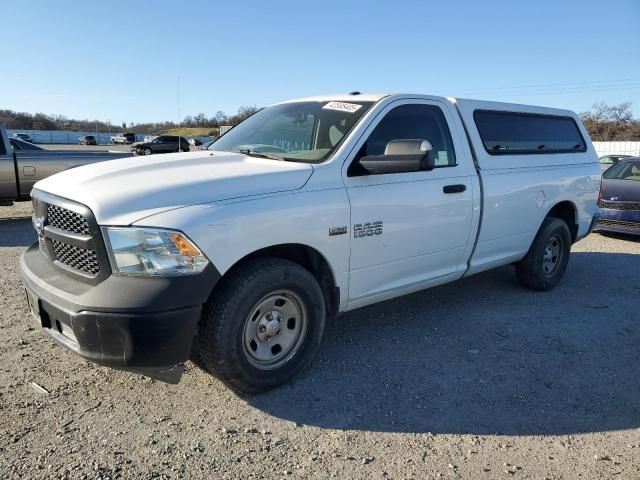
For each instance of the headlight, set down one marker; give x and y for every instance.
(150, 251)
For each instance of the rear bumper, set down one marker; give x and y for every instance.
(618, 221)
(140, 324)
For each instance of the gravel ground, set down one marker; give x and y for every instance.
(476, 379)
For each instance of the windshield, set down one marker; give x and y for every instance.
(299, 131)
(625, 170)
(608, 159)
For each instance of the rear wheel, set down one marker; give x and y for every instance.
(262, 326)
(545, 263)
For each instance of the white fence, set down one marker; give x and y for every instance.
(617, 148)
(64, 136)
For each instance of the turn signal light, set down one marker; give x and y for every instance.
(186, 248)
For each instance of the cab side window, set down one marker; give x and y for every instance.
(424, 122)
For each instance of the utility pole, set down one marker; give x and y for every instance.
(178, 94)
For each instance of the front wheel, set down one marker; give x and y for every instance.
(262, 326)
(146, 151)
(545, 263)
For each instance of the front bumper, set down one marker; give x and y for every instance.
(617, 221)
(140, 324)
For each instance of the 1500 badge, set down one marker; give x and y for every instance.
(368, 229)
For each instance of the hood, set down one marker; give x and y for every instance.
(621, 190)
(124, 191)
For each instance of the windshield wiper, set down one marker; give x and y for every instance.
(253, 153)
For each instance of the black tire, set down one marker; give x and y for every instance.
(536, 273)
(222, 342)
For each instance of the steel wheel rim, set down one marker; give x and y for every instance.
(552, 255)
(274, 330)
(146, 151)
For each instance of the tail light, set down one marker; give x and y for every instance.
(600, 195)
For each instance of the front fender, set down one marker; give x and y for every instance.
(226, 232)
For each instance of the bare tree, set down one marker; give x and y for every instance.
(243, 112)
(220, 118)
(41, 121)
(607, 123)
(620, 119)
(200, 120)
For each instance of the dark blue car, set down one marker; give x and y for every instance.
(619, 200)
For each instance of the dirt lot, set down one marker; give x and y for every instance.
(477, 379)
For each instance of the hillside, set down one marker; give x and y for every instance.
(192, 132)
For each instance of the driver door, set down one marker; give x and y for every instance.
(159, 145)
(409, 230)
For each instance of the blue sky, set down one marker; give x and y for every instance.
(120, 60)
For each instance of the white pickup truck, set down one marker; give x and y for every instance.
(308, 208)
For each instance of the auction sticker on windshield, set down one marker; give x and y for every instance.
(342, 107)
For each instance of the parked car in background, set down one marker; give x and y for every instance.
(87, 140)
(306, 209)
(619, 200)
(607, 160)
(22, 164)
(206, 145)
(23, 136)
(123, 138)
(18, 144)
(161, 144)
(198, 141)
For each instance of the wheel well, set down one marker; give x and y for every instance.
(310, 259)
(566, 211)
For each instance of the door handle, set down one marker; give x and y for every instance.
(454, 188)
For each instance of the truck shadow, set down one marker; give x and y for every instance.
(482, 356)
(16, 232)
(621, 236)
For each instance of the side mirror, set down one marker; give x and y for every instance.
(401, 156)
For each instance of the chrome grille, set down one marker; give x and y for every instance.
(620, 205)
(67, 220)
(76, 257)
